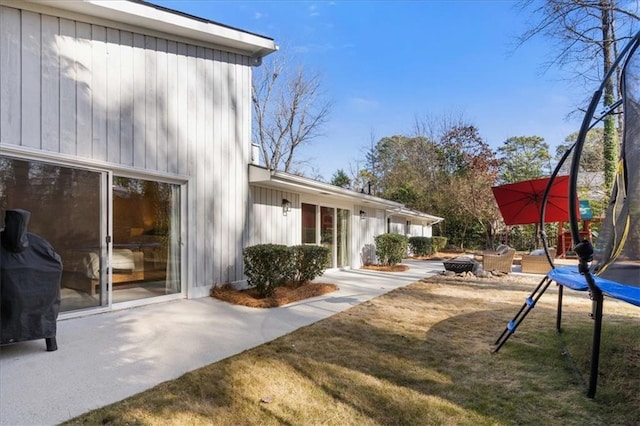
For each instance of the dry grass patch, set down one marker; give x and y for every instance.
(282, 296)
(420, 354)
(399, 267)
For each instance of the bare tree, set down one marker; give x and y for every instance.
(289, 111)
(587, 34)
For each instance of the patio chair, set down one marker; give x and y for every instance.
(536, 262)
(500, 261)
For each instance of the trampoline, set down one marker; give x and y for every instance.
(613, 270)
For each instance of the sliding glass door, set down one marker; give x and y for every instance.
(146, 239)
(70, 207)
(67, 207)
(342, 238)
(328, 227)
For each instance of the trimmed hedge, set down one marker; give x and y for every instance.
(391, 248)
(439, 243)
(268, 266)
(309, 262)
(421, 246)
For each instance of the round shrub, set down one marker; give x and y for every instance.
(421, 246)
(309, 262)
(439, 243)
(268, 266)
(391, 248)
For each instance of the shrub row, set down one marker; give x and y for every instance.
(439, 243)
(268, 266)
(390, 248)
(421, 246)
(425, 246)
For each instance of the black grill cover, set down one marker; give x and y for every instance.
(30, 273)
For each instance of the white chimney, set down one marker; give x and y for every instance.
(255, 154)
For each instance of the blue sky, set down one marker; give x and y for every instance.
(384, 63)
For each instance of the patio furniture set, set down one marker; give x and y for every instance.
(501, 260)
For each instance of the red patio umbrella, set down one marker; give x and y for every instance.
(520, 203)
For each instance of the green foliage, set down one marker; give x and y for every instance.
(447, 170)
(391, 248)
(341, 179)
(610, 151)
(268, 266)
(439, 243)
(421, 246)
(592, 158)
(523, 158)
(309, 262)
(405, 194)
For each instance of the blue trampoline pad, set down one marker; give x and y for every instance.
(568, 276)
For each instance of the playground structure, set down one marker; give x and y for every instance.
(613, 270)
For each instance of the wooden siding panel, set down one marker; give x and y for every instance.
(223, 163)
(31, 78)
(84, 80)
(139, 101)
(99, 100)
(151, 112)
(183, 90)
(10, 77)
(243, 136)
(162, 92)
(127, 99)
(201, 166)
(267, 222)
(172, 105)
(208, 111)
(50, 85)
(68, 87)
(217, 168)
(191, 141)
(113, 108)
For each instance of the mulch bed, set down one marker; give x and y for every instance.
(282, 295)
(391, 268)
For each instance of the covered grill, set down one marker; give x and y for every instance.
(30, 273)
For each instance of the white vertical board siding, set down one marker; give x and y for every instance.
(10, 78)
(113, 115)
(418, 229)
(151, 103)
(267, 222)
(398, 225)
(370, 227)
(31, 78)
(50, 86)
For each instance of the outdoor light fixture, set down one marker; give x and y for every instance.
(286, 206)
(363, 215)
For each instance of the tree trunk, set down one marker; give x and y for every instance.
(610, 134)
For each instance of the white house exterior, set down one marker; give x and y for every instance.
(125, 129)
(289, 209)
(410, 223)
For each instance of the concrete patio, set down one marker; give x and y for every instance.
(107, 357)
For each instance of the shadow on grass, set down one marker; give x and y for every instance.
(420, 354)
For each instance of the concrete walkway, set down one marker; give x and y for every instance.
(107, 357)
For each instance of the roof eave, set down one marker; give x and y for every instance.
(261, 175)
(403, 211)
(152, 17)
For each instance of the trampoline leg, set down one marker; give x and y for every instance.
(559, 312)
(595, 348)
(52, 344)
(529, 304)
